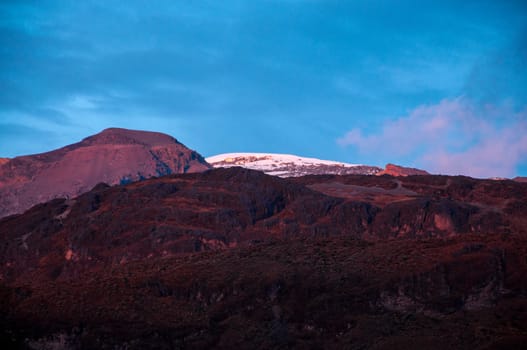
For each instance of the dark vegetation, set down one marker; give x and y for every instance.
(233, 258)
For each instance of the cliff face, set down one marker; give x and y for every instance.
(112, 156)
(397, 170)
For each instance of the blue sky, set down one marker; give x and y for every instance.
(440, 85)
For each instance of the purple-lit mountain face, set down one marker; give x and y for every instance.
(113, 156)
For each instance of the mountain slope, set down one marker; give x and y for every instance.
(224, 208)
(287, 165)
(234, 258)
(112, 156)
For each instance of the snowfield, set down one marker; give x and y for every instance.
(287, 165)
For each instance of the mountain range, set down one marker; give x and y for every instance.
(197, 257)
(118, 156)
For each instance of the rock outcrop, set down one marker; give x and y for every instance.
(232, 258)
(397, 170)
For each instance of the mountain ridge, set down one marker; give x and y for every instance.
(114, 155)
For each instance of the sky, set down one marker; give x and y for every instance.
(438, 85)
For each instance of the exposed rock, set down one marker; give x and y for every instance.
(397, 170)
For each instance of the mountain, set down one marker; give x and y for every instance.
(112, 156)
(286, 165)
(234, 258)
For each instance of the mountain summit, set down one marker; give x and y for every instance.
(112, 156)
(288, 165)
(119, 136)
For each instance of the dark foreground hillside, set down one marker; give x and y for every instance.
(232, 258)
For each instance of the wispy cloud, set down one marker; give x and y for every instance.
(454, 136)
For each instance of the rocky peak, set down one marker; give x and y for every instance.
(119, 136)
(397, 170)
(112, 156)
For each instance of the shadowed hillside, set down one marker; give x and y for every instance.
(236, 258)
